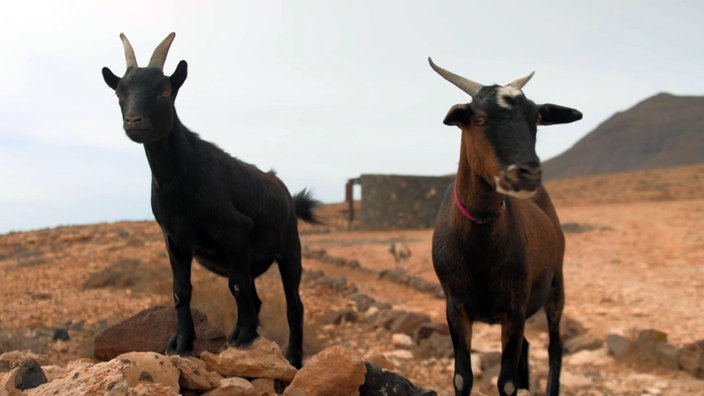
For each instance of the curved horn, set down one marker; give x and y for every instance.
(460, 82)
(159, 56)
(521, 82)
(129, 52)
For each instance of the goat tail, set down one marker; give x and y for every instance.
(305, 205)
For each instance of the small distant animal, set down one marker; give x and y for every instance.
(401, 253)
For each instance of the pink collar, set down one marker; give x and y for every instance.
(468, 215)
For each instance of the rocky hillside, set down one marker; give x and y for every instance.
(661, 131)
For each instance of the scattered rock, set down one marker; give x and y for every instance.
(619, 345)
(428, 328)
(233, 386)
(339, 316)
(581, 342)
(194, 374)
(408, 323)
(150, 330)
(363, 301)
(667, 355)
(149, 367)
(399, 354)
(437, 345)
(401, 340)
(29, 375)
(13, 359)
(262, 359)
(87, 379)
(691, 358)
(647, 342)
(60, 335)
(379, 382)
(381, 361)
(264, 387)
(317, 377)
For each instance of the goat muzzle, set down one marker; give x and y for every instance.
(521, 181)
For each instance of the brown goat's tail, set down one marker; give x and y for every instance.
(305, 205)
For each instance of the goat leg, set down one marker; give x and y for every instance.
(241, 284)
(290, 270)
(461, 334)
(553, 311)
(181, 342)
(512, 338)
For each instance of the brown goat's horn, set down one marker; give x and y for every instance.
(460, 82)
(521, 82)
(159, 56)
(129, 52)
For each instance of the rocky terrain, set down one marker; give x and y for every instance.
(633, 326)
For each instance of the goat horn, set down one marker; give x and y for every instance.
(460, 82)
(129, 52)
(521, 82)
(159, 56)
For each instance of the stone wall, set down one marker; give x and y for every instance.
(401, 202)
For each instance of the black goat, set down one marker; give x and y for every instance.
(233, 218)
(498, 258)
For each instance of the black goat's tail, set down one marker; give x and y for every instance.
(305, 205)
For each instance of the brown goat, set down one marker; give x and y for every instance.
(498, 245)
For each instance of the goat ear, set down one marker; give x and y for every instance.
(179, 75)
(110, 78)
(459, 114)
(556, 114)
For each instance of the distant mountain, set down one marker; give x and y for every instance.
(662, 131)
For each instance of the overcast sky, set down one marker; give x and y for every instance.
(320, 91)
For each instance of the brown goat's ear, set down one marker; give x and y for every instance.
(179, 76)
(110, 78)
(556, 114)
(459, 114)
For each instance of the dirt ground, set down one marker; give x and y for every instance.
(632, 262)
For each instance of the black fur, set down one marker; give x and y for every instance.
(231, 217)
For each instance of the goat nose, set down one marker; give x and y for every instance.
(131, 119)
(529, 171)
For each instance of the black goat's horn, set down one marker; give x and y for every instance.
(159, 56)
(465, 84)
(521, 82)
(129, 52)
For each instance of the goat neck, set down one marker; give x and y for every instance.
(169, 156)
(478, 197)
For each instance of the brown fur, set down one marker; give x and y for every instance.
(506, 269)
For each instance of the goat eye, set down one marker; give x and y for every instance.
(165, 93)
(119, 94)
(480, 120)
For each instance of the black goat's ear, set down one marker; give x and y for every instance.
(556, 114)
(179, 75)
(458, 115)
(110, 78)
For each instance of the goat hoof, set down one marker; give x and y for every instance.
(242, 337)
(294, 358)
(179, 344)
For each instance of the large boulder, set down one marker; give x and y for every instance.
(333, 371)
(150, 330)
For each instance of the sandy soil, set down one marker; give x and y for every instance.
(632, 265)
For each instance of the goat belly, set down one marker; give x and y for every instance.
(487, 308)
(211, 262)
